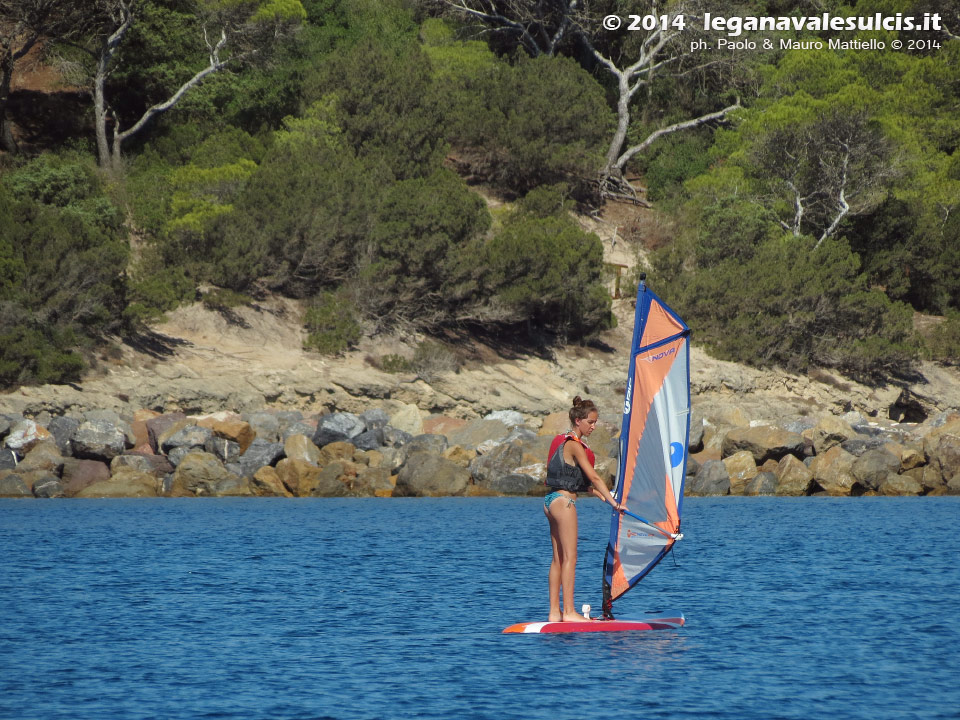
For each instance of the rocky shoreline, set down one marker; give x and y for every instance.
(406, 452)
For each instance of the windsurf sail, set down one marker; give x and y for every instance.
(654, 443)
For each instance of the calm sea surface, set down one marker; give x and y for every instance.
(278, 608)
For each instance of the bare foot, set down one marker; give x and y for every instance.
(555, 617)
(573, 617)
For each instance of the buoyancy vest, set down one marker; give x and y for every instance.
(560, 474)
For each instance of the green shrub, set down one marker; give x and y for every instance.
(332, 324)
(394, 363)
(943, 344)
(432, 358)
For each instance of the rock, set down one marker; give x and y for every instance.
(260, 454)
(900, 485)
(555, 423)
(156, 465)
(159, 426)
(794, 478)
(128, 482)
(427, 475)
(233, 486)
(189, 436)
(299, 447)
(433, 444)
(742, 469)
(98, 440)
(48, 485)
(460, 456)
(298, 428)
(763, 483)
(8, 459)
(266, 482)
(510, 418)
(693, 466)
(62, 429)
(443, 425)
(873, 467)
(25, 435)
(198, 473)
(503, 460)
(833, 472)
(13, 486)
(374, 482)
(395, 438)
(44, 456)
(695, 441)
(932, 478)
(942, 446)
(337, 427)
(857, 446)
(476, 432)
(408, 419)
(830, 431)
(236, 431)
(81, 474)
(337, 452)
(713, 479)
(6, 422)
(515, 484)
(265, 425)
(227, 451)
(911, 456)
(762, 442)
(303, 479)
(370, 439)
(375, 419)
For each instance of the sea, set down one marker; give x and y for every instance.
(394, 608)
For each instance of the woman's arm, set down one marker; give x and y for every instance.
(599, 486)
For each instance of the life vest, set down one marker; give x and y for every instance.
(561, 475)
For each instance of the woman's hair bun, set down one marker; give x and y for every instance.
(577, 401)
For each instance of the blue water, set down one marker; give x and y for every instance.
(369, 608)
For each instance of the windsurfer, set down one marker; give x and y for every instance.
(569, 471)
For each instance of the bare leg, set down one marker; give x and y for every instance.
(563, 515)
(554, 577)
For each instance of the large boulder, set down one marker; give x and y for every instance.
(338, 427)
(501, 461)
(25, 435)
(189, 437)
(266, 482)
(299, 447)
(260, 454)
(265, 424)
(44, 456)
(235, 430)
(428, 475)
(764, 442)
(873, 468)
(158, 427)
(794, 478)
(62, 429)
(477, 432)
(831, 431)
(942, 446)
(713, 479)
(199, 473)
(900, 485)
(433, 444)
(375, 419)
(81, 474)
(763, 483)
(98, 440)
(408, 419)
(127, 483)
(741, 468)
(13, 486)
(833, 471)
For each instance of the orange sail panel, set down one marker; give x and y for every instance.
(653, 446)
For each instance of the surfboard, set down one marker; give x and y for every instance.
(660, 621)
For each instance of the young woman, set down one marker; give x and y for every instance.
(570, 471)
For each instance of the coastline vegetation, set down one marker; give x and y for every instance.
(334, 162)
